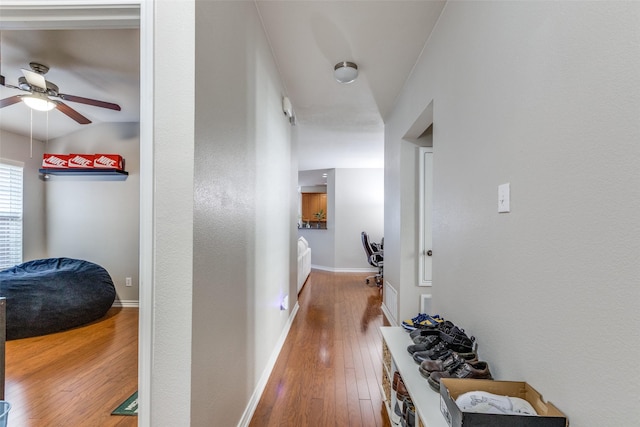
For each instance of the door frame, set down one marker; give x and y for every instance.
(147, 226)
(425, 214)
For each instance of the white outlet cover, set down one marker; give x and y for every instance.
(504, 198)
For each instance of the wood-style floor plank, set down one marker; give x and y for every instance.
(77, 377)
(328, 371)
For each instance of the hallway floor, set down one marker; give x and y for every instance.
(329, 370)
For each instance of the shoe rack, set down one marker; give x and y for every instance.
(395, 357)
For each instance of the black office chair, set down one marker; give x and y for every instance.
(375, 258)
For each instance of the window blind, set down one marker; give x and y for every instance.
(10, 214)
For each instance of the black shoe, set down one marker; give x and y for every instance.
(424, 344)
(401, 406)
(432, 353)
(424, 339)
(409, 415)
(457, 340)
(420, 334)
(477, 369)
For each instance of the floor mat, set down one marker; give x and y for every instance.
(128, 407)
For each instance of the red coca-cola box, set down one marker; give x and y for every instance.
(109, 161)
(57, 161)
(82, 161)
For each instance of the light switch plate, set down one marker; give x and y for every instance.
(504, 198)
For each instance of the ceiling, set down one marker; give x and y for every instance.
(337, 125)
(97, 64)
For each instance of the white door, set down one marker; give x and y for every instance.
(425, 205)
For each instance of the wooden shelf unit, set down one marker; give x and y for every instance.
(395, 341)
(113, 174)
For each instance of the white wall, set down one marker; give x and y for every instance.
(19, 148)
(359, 206)
(321, 241)
(355, 203)
(244, 212)
(169, 290)
(401, 228)
(546, 96)
(93, 219)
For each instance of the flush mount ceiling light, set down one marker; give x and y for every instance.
(39, 101)
(345, 72)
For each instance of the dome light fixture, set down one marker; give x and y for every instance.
(39, 102)
(345, 72)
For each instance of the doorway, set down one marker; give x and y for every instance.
(73, 14)
(417, 161)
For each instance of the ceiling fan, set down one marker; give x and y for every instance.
(41, 91)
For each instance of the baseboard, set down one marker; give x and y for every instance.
(133, 303)
(344, 270)
(262, 382)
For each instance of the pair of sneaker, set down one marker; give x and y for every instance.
(489, 403)
(434, 343)
(422, 320)
(401, 394)
(405, 413)
(447, 361)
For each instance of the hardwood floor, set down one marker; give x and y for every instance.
(328, 372)
(77, 377)
(330, 367)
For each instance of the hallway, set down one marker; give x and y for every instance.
(329, 370)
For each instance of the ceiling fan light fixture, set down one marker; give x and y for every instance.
(345, 72)
(39, 102)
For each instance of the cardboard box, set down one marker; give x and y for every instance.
(109, 161)
(451, 388)
(82, 161)
(57, 161)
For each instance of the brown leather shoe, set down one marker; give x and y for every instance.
(476, 370)
(396, 379)
(401, 391)
(446, 363)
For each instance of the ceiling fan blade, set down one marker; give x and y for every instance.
(10, 101)
(88, 101)
(35, 79)
(14, 87)
(64, 108)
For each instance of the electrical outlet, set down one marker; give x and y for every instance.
(504, 198)
(127, 281)
(284, 305)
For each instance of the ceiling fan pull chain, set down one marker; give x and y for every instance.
(31, 134)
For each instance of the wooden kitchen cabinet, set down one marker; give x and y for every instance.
(313, 203)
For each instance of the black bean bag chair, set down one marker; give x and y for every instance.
(50, 295)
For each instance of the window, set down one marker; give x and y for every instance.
(10, 213)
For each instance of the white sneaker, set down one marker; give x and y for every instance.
(489, 403)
